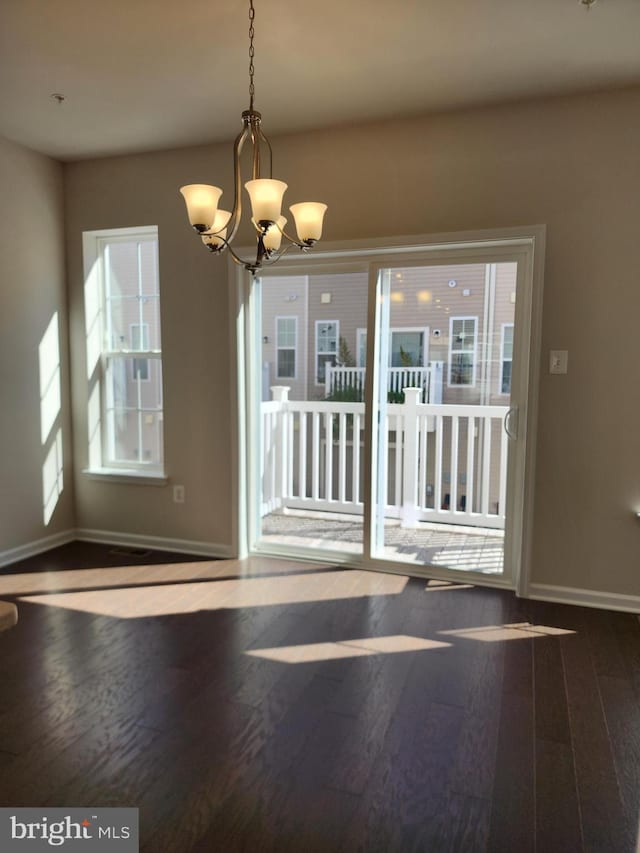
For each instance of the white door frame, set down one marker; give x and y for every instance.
(525, 245)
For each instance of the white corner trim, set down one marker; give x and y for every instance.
(157, 543)
(584, 597)
(30, 549)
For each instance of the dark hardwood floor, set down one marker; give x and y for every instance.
(376, 713)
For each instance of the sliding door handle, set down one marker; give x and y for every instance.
(511, 423)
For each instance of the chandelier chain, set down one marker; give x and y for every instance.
(252, 90)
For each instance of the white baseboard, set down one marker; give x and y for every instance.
(23, 552)
(584, 597)
(108, 537)
(157, 543)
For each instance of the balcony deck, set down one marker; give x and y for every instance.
(445, 545)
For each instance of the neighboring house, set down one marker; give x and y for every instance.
(461, 316)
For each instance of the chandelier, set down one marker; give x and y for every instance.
(218, 228)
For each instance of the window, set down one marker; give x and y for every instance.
(286, 347)
(462, 351)
(506, 358)
(124, 353)
(407, 347)
(327, 332)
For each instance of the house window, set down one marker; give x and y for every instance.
(463, 336)
(286, 347)
(124, 352)
(506, 358)
(327, 332)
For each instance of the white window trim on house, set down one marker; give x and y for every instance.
(453, 351)
(294, 375)
(361, 343)
(319, 352)
(101, 463)
(503, 328)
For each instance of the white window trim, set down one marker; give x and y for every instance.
(143, 473)
(324, 352)
(294, 347)
(426, 331)
(472, 384)
(502, 358)
(423, 330)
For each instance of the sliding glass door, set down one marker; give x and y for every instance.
(388, 406)
(442, 446)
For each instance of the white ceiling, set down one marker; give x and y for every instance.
(140, 75)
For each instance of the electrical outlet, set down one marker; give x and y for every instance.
(178, 494)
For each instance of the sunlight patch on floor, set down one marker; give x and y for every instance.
(116, 576)
(514, 631)
(168, 599)
(314, 652)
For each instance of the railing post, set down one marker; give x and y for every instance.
(409, 512)
(327, 379)
(280, 394)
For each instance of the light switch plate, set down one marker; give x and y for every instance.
(558, 361)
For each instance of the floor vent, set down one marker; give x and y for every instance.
(124, 551)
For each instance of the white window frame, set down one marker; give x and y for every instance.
(101, 358)
(361, 345)
(293, 317)
(319, 352)
(453, 351)
(503, 328)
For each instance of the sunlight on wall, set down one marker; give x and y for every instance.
(94, 426)
(49, 360)
(93, 319)
(52, 479)
(313, 652)
(50, 405)
(93, 331)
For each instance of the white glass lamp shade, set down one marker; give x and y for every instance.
(266, 198)
(216, 235)
(202, 203)
(273, 237)
(308, 216)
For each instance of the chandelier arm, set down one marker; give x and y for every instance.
(236, 214)
(252, 266)
(265, 139)
(304, 244)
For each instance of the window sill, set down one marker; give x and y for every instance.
(126, 476)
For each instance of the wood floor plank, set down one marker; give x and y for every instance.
(623, 725)
(557, 809)
(512, 824)
(603, 824)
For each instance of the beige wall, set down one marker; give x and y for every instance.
(32, 290)
(570, 163)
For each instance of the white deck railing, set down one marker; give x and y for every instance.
(343, 380)
(436, 462)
